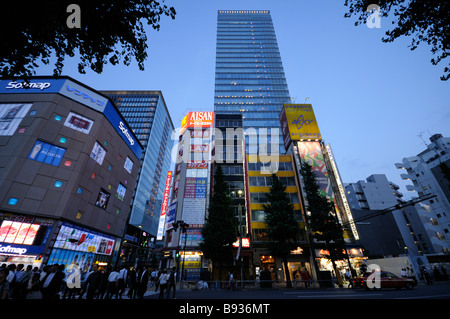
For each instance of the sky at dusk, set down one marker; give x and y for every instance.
(371, 99)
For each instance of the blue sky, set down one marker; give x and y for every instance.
(371, 99)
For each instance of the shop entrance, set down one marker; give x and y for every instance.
(300, 273)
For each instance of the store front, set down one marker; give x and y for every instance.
(74, 245)
(23, 239)
(355, 260)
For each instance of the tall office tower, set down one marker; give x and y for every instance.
(148, 116)
(249, 74)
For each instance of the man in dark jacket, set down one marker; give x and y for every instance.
(51, 284)
(93, 282)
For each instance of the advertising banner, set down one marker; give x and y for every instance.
(162, 217)
(298, 122)
(47, 153)
(10, 117)
(311, 153)
(80, 239)
(194, 203)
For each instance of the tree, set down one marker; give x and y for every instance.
(221, 226)
(282, 227)
(426, 21)
(109, 31)
(322, 219)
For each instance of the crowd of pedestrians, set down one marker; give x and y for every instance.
(19, 282)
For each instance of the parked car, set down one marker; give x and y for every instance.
(386, 280)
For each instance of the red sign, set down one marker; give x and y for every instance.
(245, 242)
(166, 194)
(197, 165)
(199, 148)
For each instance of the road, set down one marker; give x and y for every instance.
(440, 290)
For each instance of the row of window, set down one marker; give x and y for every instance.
(251, 75)
(254, 81)
(260, 215)
(221, 59)
(253, 69)
(261, 198)
(267, 180)
(251, 64)
(282, 166)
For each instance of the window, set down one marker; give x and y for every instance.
(258, 215)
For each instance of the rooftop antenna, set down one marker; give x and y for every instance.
(421, 137)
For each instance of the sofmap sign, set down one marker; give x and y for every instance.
(34, 86)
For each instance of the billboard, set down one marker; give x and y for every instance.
(311, 153)
(46, 153)
(197, 120)
(194, 203)
(80, 239)
(298, 123)
(162, 218)
(10, 117)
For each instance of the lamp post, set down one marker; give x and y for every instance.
(183, 226)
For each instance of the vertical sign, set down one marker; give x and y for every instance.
(162, 218)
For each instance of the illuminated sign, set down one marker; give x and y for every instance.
(298, 123)
(162, 218)
(78, 123)
(79, 239)
(12, 250)
(46, 153)
(245, 242)
(197, 119)
(342, 193)
(18, 233)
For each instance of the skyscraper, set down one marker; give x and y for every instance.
(148, 116)
(249, 74)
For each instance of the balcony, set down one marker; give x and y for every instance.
(405, 176)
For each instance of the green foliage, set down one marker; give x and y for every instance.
(424, 21)
(282, 227)
(322, 220)
(221, 226)
(110, 31)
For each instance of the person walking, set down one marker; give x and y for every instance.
(122, 281)
(112, 284)
(132, 283)
(172, 282)
(163, 278)
(143, 282)
(4, 284)
(51, 284)
(92, 283)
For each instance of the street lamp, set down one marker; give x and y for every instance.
(183, 226)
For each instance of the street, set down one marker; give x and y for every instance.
(440, 290)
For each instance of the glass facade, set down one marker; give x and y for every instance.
(249, 74)
(148, 117)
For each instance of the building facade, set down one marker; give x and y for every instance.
(249, 77)
(68, 166)
(148, 117)
(189, 199)
(429, 173)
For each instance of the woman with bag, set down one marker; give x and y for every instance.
(163, 278)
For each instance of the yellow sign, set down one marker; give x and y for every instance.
(298, 122)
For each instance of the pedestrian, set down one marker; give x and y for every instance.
(92, 283)
(162, 283)
(122, 281)
(132, 283)
(172, 283)
(4, 284)
(306, 278)
(158, 273)
(112, 283)
(35, 286)
(143, 282)
(154, 277)
(51, 284)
